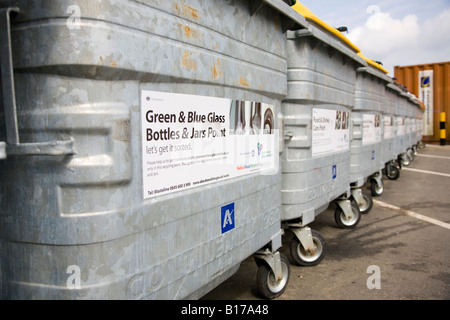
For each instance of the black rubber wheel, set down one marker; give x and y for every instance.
(377, 190)
(410, 154)
(367, 205)
(304, 258)
(406, 160)
(268, 286)
(349, 222)
(392, 172)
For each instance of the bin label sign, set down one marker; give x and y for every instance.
(227, 217)
(189, 141)
(371, 128)
(389, 129)
(334, 171)
(330, 131)
(400, 126)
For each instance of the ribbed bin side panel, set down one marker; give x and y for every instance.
(81, 68)
(321, 87)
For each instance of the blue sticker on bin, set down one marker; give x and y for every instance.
(227, 217)
(334, 171)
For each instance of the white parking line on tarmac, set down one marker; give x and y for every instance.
(412, 214)
(431, 156)
(426, 171)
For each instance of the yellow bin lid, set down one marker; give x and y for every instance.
(373, 63)
(304, 11)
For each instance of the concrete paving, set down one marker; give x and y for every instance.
(395, 252)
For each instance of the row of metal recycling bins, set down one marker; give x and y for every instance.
(149, 147)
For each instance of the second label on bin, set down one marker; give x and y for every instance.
(330, 131)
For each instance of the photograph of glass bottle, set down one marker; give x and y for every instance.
(248, 118)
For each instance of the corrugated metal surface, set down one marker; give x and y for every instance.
(85, 77)
(366, 125)
(318, 83)
(409, 77)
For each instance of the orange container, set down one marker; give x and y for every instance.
(409, 76)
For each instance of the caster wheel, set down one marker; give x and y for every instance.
(406, 160)
(347, 222)
(305, 258)
(376, 189)
(410, 154)
(367, 204)
(392, 172)
(268, 285)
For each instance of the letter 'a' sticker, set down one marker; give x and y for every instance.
(227, 217)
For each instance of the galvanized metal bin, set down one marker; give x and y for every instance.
(400, 112)
(391, 141)
(101, 194)
(406, 114)
(419, 116)
(416, 115)
(367, 124)
(316, 156)
(409, 124)
(407, 105)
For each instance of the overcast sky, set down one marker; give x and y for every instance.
(395, 32)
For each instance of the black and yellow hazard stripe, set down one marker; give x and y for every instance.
(442, 134)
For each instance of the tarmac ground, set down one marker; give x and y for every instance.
(398, 251)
